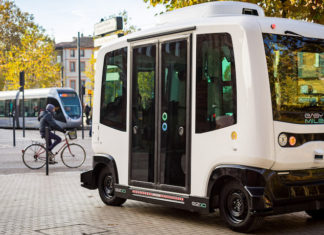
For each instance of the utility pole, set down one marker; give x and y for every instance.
(62, 76)
(80, 84)
(22, 85)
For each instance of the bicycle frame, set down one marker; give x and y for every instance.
(66, 143)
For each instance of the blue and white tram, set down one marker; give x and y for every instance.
(66, 102)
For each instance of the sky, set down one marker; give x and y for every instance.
(63, 19)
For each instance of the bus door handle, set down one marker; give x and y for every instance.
(135, 129)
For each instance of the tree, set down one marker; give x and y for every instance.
(24, 46)
(310, 10)
(90, 73)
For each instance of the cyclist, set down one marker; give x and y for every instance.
(46, 120)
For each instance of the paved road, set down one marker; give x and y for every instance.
(32, 203)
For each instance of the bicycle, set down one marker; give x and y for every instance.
(72, 155)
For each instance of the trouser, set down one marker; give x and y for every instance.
(52, 136)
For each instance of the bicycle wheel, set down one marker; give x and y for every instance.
(73, 155)
(34, 156)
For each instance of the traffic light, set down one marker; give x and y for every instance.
(22, 78)
(83, 90)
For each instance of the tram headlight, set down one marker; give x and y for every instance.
(283, 139)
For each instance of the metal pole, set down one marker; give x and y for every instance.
(14, 118)
(46, 138)
(80, 84)
(62, 77)
(82, 116)
(90, 101)
(14, 127)
(23, 107)
(79, 66)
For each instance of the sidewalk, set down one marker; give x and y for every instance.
(57, 204)
(34, 203)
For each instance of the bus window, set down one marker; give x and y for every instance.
(215, 88)
(58, 111)
(113, 90)
(296, 72)
(2, 108)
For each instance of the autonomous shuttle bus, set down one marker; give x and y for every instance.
(216, 107)
(66, 102)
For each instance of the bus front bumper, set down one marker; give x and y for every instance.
(292, 191)
(88, 180)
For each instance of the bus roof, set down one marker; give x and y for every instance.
(222, 13)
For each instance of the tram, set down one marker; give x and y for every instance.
(66, 102)
(216, 107)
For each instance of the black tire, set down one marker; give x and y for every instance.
(106, 188)
(316, 214)
(34, 156)
(235, 207)
(73, 155)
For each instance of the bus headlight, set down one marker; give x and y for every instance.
(283, 139)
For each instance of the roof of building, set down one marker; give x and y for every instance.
(85, 42)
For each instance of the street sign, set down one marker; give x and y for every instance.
(98, 42)
(108, 26)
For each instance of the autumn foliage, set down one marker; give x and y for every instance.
(25, 47)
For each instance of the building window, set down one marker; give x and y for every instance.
(72, 66)
(114, 90)
(216, 87)
(82, 53)
(82, 66)
(72, 53)
(72, 84)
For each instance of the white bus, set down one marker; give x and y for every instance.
(216, 107)
(66, 102)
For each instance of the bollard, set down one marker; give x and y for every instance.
(46, 139)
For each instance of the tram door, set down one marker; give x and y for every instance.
(159, 155)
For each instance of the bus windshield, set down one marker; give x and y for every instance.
(296, 73)
(71, 104)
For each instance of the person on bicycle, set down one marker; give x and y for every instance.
(46, 120)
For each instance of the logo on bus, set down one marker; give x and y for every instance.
(199, 204)
(314, 118)
(119, 190)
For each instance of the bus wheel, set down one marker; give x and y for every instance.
(235, 207)
(316, 214)
(106, 187)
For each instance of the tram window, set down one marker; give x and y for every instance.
(58, 111)
(113, 90)
(9, 108)
(216, 88)
(2, 108)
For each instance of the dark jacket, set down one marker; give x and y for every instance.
(46, 119)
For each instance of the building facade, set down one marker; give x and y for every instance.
(67, 55)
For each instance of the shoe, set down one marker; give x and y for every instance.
(52, 162)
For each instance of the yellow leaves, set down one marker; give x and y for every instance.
(36, 57)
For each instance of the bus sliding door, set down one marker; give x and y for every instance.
(159, 155)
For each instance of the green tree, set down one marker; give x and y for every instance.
(24, 46)
(310, 10)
